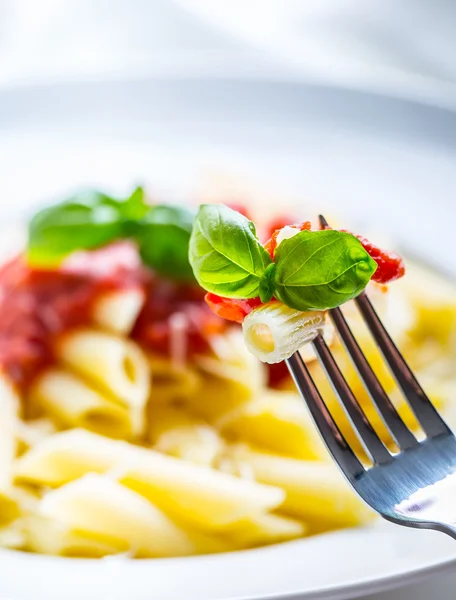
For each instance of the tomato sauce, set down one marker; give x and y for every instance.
(165, 298)
(231, 309)
(390, 265)
(38, 305)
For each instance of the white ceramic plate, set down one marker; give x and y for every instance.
(384, 163)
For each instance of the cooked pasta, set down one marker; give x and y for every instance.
(171, 383)
(273, 331)
(65, 456)
(32, 431)
(179, 434)
(117, 311)
(315, 492)
(230, 377)
(74, 403)
(49, 536)
(135, 422)
(9, 507)
(195, 493)
(265, 529)
(9, 418)
(114, 364)
(106, 509)
(277, 421)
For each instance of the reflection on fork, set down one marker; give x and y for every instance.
(415, 486)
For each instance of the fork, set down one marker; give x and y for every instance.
(415, 486)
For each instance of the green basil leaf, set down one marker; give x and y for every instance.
(226, 256)
(85, 221)
(59, 230)
(134, 207)
(163, 239)
(267, 283)
(318, 270)
(130, 209)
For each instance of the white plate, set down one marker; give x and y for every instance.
(382, 162)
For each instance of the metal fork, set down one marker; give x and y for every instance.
(415, 486)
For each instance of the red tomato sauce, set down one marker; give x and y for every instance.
(164, 299)
(38, 305)
(231, 309)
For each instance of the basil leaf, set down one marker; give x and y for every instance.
(85, 221)
(226, 256)
(267, 283)
(318, 270)
(163, 239)
(132, 208)
(59, 230)
(129, 210)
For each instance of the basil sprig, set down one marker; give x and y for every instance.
(226, 256)
(88, 220)
(314, 270)
(163, 238)
(92, 219)
(321, 269)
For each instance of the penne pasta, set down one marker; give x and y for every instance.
(229, 379)
(9, 419)
(277, 421)
(9, 506)
(233, 362)
(171, 383)
(66, 456)
(175, 432)
(14, 535)
(315, 491)
(49, 536)
(99, 506)
(273, 331)
(14, 502)
(218, 396)
(75, 404)
(265, 529)
(115, 365)
(118, 310)
(196, 494)
(210, 543)
(33, 431)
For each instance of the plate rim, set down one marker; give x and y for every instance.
(351, 589)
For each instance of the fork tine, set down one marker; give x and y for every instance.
(403, 437)
(429, 419)
(323, 222)
(371, 442)
(332, 436)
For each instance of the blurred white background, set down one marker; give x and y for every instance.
(405, 47)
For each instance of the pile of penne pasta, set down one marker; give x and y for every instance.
(117, 452)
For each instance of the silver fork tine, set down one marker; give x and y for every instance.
(403, 437)
(425, 412)
(372, 443)
(331, 434)
(429, 419)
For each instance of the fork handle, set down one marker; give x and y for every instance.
(447, 528)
